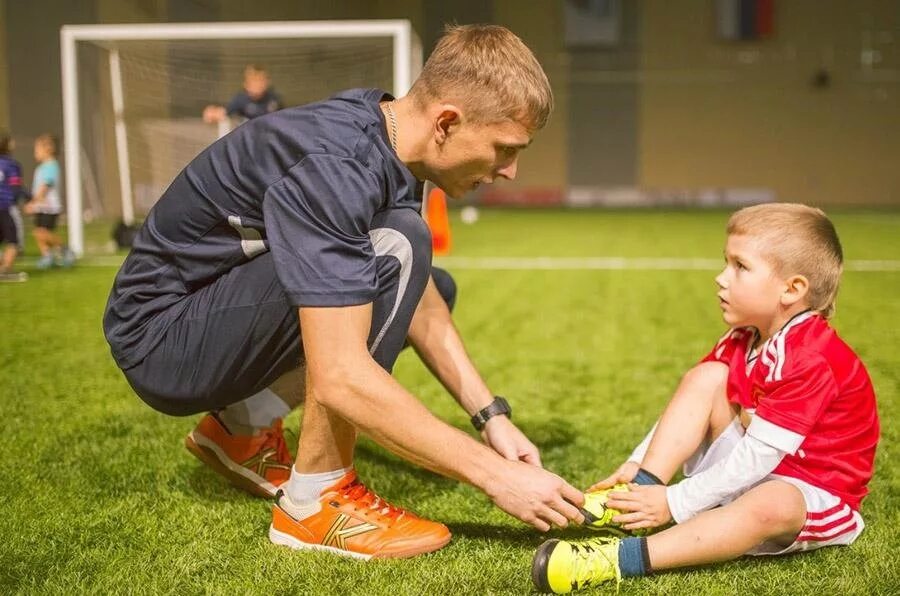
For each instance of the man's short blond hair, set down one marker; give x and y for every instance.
(489, 72)
(796, 240)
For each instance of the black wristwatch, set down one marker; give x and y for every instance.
(496, 408)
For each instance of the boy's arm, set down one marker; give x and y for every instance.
(750, 461)
(14, 179)
(40, 193)
(236, 104)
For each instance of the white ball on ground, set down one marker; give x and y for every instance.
(469, 214)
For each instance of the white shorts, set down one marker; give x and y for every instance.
(829, 521)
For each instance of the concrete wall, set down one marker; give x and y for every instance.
(4, 70)
(717, 114)
(669, 107)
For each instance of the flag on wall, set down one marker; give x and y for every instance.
(592, 22)
(745, 20)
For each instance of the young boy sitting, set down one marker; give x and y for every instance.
(776, 428)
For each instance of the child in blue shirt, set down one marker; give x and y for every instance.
(10, 191)
(46, 205)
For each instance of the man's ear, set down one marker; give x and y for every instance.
(796, 289)
(448, 119)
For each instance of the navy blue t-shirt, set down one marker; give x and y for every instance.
(303, 182)
(242, 104)
(10, 181)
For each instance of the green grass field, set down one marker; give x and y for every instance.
(98, 495)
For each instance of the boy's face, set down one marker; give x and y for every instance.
(255, 84)
(472, 154)
(41, 151)
(750, 291)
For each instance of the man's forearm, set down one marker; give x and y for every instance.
(376, 404)
(437, 341)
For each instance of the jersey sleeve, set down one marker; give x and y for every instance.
(14, 176)
(236, 104)
(279, 104)
(727, 345)
(797, 389)
(317, 220)
(47, 174)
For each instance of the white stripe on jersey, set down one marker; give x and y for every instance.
(777, 346)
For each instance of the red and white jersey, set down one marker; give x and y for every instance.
(811, 390)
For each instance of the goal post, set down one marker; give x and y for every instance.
(126, 90)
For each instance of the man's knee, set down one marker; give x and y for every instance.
(445, 285)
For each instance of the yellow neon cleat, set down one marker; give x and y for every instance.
(597, 516)
(560, 566)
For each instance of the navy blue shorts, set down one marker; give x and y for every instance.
(238, 334)
(9, 233)
(46, 220)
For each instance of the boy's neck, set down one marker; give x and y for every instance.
(780, 320)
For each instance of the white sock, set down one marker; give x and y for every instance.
(260, 410)
(305, 489)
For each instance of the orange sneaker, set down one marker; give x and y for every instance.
(350, 520)
(259, 464)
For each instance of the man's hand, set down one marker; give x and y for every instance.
(625, 473)
(213, 114)
(535, 496)
(644, 506)
(501, 435)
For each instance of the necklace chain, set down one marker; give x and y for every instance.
(390, 111)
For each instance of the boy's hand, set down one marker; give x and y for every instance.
(625, 473)
(644, 506)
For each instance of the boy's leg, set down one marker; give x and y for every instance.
(698, 412)
(774, 511)
(40, 236)
(9, 257)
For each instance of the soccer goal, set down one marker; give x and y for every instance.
(133, 95)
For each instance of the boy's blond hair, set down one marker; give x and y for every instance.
(255, 69)
(49, 141)
(490, 73)
(796, 240)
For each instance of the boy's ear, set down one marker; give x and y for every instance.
(796, 289)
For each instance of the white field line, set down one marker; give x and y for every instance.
(555, 263)
(621, 263)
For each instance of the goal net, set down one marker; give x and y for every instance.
(134, 95)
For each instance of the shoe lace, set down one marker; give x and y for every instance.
(593, 562)
(275, 439)
(363, 498)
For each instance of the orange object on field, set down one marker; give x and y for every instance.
(355, 522)
(438, 221)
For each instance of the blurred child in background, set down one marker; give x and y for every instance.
(10, 191)
(46, 205)
(257, 98)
